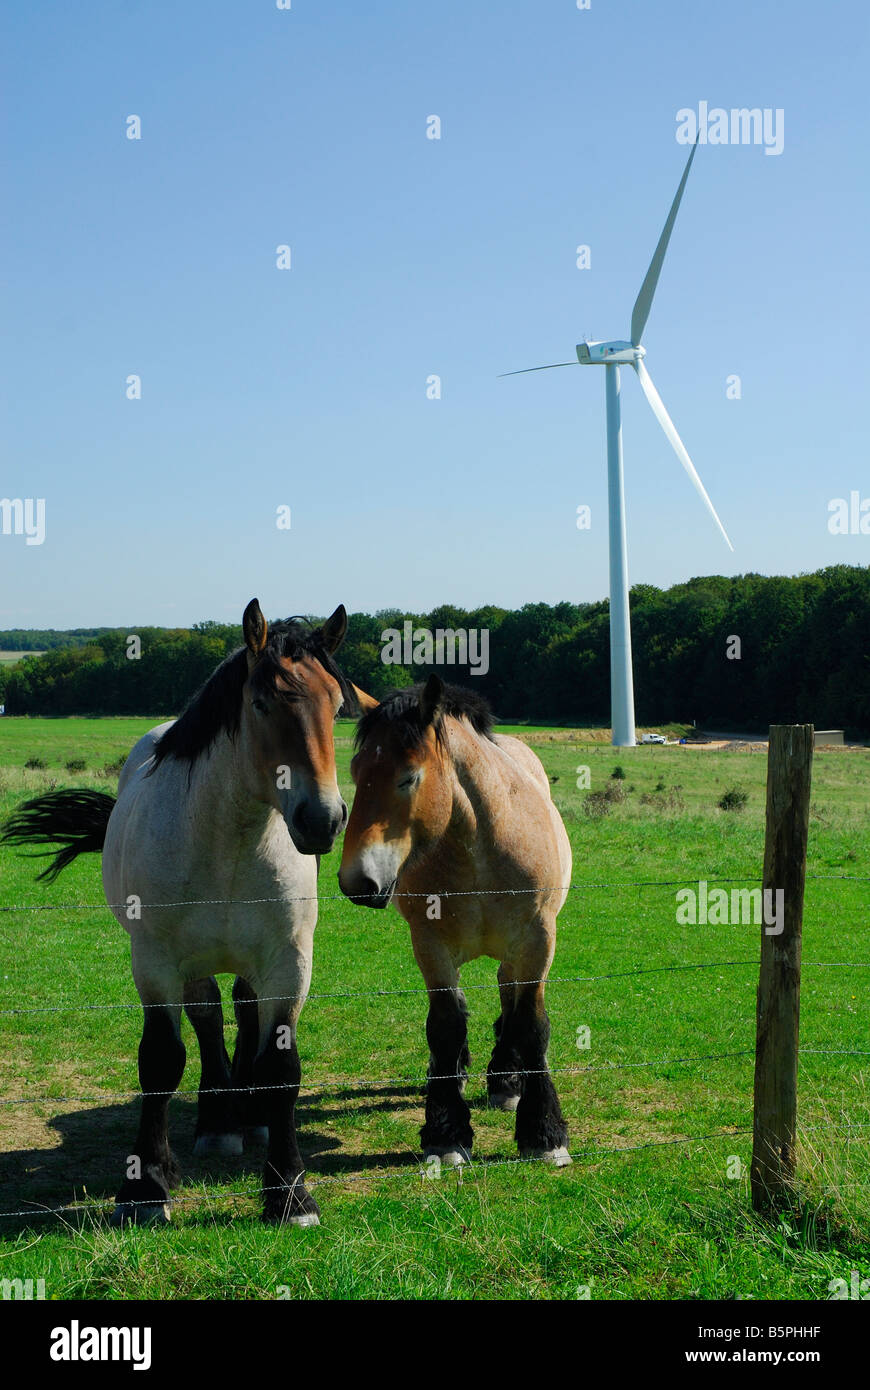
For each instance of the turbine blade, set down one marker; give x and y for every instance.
(549, 367)
(679, 448)
(643, 303)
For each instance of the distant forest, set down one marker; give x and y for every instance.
(804, 656)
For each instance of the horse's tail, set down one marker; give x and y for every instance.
(76, 819)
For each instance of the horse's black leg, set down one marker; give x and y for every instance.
(218, 1127)
(277, 1069)
(151, 1169)
(541, 1131)
(252, 1106)
(502, 1080)
(447, 1132)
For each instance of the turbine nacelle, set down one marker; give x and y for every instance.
(599, 354)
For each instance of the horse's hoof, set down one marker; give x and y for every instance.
(221, 1145)
(456, 1157)
(557, 1158)
(140, 1214)
(305, 1218)
(292, 1210)
(257, 1134)
(502, 1100)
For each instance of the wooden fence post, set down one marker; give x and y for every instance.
(789, 772)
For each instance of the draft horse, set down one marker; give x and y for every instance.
(455, 824)
(210, 861)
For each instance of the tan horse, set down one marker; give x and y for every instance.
(214, 840)
(455, 823)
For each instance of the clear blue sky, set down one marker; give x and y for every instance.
(411, 257)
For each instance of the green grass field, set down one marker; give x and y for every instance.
(8, 658)
(650, 1208)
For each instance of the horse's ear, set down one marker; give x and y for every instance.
(365, 702)
(255, 628)
(430, 699)
(333, 630)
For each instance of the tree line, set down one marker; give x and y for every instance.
(742, 652)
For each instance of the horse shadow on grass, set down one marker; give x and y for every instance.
(91, 1158)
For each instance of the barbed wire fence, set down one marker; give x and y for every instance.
(351, 1083)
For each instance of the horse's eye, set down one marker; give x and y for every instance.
(260, 706)
(408, 781)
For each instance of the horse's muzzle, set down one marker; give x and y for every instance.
(366, 893)
(315, 830)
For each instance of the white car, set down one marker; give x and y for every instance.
(653, 738)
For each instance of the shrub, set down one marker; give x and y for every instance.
(36, 764)
(618, 774)
(112, 769)
(663, 799)
(734, 799)
(75, 765)
(600, 803)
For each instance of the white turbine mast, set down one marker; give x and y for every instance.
(611, 356)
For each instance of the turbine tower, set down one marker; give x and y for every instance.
(611, 356)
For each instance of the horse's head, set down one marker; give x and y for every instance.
(291, 696)
(402, 801)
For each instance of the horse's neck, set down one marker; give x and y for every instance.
(218, 793)
(474, 780)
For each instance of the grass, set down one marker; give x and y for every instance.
(588, 733)
(9, 658)
(643, 1213)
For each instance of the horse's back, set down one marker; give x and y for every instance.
(530, 762)
(532, 770)
(141, 754)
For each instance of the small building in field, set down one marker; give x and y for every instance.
(828, 738)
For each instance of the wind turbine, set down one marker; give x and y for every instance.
(611, 355)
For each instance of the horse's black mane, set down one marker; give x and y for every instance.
(401, 713)
(217, 706)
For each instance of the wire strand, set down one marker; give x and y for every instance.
(347, 1083)
(421, 989)
(342, 1083)
(315, 1180)
(459, 893)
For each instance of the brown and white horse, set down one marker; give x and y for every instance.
(455, 824)
(210, 858)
